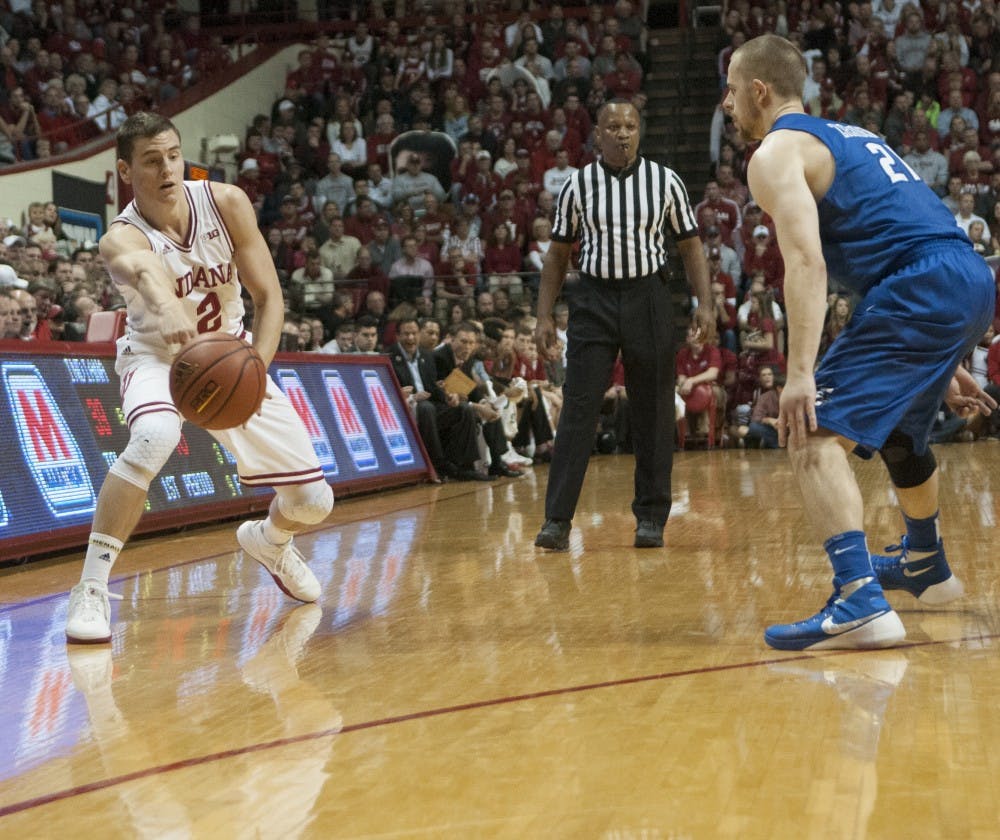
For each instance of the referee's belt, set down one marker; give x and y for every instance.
(662, 274)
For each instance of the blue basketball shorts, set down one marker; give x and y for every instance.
(891, 365)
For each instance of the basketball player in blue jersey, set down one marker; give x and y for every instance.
(846, 207)
(180, 253)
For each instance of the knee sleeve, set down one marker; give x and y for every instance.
(152, 439)
(307, 504)
(906, 469)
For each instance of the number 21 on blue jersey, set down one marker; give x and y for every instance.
(891, 163)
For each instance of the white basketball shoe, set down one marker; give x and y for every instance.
(286, 565)
(88, 619)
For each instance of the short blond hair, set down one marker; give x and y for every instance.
(775, 61)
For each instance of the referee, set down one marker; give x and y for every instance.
(619, 208)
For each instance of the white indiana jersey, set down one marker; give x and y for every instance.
(205, 277)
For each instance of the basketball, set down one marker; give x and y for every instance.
(217, 381)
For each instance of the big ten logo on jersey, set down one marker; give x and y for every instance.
(289, 382)
(49, 448)
(352, 430)
(388, 420)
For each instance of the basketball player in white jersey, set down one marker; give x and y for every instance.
(180, 253)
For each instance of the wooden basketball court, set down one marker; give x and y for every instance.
(456, 682)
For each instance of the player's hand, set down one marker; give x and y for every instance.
(966, 398)
(797, 410)
(175, 327)
(545, 336)
(260, 409)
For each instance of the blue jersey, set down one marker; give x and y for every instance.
(878, 214)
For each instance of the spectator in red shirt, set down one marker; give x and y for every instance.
(361, 225)
(483, 181)
(86, 129)
(698, 364)
(37, 75)
(497, 119)
(314, 151)
(577, 116)
(250, 182)
(267, 162)
(506, 213)
(536, 121)
(426, 247)
(625, 80)
(503, 256)
(55, 121)
(291, 227)
(366, 276)
(764, 256)
(379, 142)
(306, 80)
(544, 157)
(436, 218)
(571, 140)
(456, 283)
(727, 211)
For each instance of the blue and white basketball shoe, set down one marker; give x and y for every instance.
(924, 574)
(863, 619)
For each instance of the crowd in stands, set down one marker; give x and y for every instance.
(70, 72)
(925, 78)
(384, 244)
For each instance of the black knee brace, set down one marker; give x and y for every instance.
(906, 469)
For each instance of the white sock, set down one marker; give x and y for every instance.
(102, 551)
(273, 534)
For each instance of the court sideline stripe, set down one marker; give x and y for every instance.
(196, 761)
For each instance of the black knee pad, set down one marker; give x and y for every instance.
(906, 469)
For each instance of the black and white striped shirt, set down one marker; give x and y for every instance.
(621, 218)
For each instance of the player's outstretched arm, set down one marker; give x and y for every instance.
(256, 268)
(132, 263)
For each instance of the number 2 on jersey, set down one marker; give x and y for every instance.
(209, 313)
(891, 162)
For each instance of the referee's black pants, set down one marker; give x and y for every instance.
(633, 316)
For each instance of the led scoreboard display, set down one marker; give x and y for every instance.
(63, 428)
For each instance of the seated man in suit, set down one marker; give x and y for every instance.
(459, 352)
(447, 427)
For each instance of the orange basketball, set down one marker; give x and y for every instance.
(217, 381)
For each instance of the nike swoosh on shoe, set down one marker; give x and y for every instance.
(916, 572)
(832, 628)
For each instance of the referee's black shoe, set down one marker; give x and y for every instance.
(648, 534)
(501, 470)
(554, 535)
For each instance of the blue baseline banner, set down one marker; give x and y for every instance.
(63, 428)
